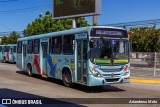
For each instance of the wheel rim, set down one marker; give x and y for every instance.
(67, 77)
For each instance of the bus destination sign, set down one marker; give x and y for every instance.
(105, 32)
(108, 32)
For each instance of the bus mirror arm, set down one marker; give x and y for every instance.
(91, 43)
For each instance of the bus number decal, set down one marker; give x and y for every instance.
(53, 60)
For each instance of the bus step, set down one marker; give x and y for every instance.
(44, 76)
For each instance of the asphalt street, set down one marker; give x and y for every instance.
(16, 84)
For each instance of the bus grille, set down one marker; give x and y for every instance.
(111, 70)
(112, 80)
(109, 75)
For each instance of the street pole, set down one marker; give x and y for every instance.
(95, 20)
(73, 22)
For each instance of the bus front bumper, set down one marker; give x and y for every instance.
(100, 81)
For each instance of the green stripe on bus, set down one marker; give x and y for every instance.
(102, 61)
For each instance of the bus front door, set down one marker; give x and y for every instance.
(82, 61)
(44, 47)
(24, 49)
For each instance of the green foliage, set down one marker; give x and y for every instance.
(11, 39)
(145, 39)
(46, 24)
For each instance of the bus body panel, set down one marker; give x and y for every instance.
(19, 61)
(57, 63)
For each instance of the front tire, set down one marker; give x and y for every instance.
(29, 70)
(67, 78)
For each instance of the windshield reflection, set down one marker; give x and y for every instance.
(110, 51)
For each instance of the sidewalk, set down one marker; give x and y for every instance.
(144, 75)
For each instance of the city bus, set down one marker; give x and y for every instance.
(91, 56)
(1, 52)
(8, 53)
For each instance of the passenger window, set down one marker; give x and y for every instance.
(19, 47)
(14, 49)
(68, 44)
(56, 45)
(36, 46)
(30, 47)
(0, 48)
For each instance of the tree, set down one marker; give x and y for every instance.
(11, 39)
(46, 24)
(145, 39)
(4, 40)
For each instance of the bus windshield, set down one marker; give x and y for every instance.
(109, 51)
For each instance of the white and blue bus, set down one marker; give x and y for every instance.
(92, 56)
(8, 53)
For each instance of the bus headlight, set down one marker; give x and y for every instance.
(126, 70)
(94, 72)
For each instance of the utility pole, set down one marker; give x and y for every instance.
(95, 20)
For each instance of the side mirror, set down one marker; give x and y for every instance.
(91, 43)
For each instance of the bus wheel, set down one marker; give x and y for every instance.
(67, 78)
(29, 70)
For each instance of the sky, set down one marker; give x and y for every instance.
(16, 14)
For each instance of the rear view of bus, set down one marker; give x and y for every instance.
(109, 56)
(12, 53)
(9, 53)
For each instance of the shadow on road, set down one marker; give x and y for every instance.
(47, 102)
(96, 89)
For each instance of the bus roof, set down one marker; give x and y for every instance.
(12, 45)
(66, 32)
(9, 45)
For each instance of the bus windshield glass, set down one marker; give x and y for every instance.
(109, 51)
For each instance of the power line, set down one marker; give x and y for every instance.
(136, 23)
(9, 32)
(7, 0)
(25, 9)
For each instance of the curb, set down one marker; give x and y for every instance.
(144, 81)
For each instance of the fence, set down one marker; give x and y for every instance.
(145, 64)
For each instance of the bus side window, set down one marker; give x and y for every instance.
(11, 50)
(68, 44)
(0, 48)
(36, 46)
(19, 47)
(14, 49)
(56, 47)
(6, 49)
(30, 47)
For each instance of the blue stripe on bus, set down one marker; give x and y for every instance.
(52, 66)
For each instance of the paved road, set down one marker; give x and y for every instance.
(16, 84)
